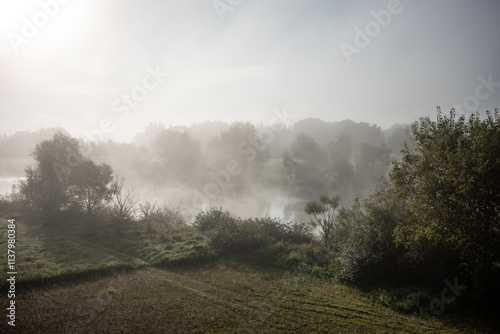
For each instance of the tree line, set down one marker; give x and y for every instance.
(437, 216)
(310, 156)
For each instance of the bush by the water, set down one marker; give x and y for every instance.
(228, 234)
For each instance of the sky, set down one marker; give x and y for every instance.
(106, 68)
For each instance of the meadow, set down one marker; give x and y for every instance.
(152, 279)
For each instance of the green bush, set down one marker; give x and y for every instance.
(238, 236)
(294, 259)
(208, 220)
(228, 234)
(282, 231)
(403, 299)
(311, 259)
(364, 239)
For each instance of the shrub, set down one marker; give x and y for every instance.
(364, 239)
(228, 234)
(403, 299)
(210, 219)
(162, 215)
(282, 231)
(238, 237)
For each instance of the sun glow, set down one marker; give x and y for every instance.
(46, 27)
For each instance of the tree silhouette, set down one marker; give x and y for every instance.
(324, 213)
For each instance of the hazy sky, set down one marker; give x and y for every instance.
(74, 64)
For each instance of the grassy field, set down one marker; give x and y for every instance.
(73, 281)
(44, 256)
(76, 248)
(214, 299)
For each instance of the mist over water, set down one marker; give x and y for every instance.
(249, 170)
(239, 161)
(263, 203)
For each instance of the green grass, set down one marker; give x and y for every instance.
(153, 243)
(220, 298)
(44, 256)
(73, 248)
(175, 289)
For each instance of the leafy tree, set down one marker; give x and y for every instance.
(452, 185)
(372, 163)
(150, 134)
(91, 184)
(396, 137)
(47, 183)
(365, 238)
(324, 212)
(241, 143)
(181, 155)
(306, 163)
(341, 150)
(341, 170)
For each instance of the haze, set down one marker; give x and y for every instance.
(238, 62)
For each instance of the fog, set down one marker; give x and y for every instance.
(250, 170)
(239, 161)
(253, 106)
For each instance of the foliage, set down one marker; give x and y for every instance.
(124, 202)
(312, 259)
(407, 299)
(162, 214)
(63, 179)
(324, 213)
(46, 188)
(209, 220)
(180, 155)
(341, 172)
(91, 184)
(241, 146)
(372, 163)
(306, 163)
(228, 234)
(364, 238)
(334, 166)
(396, 137)
(452, 185)
(238, 236)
